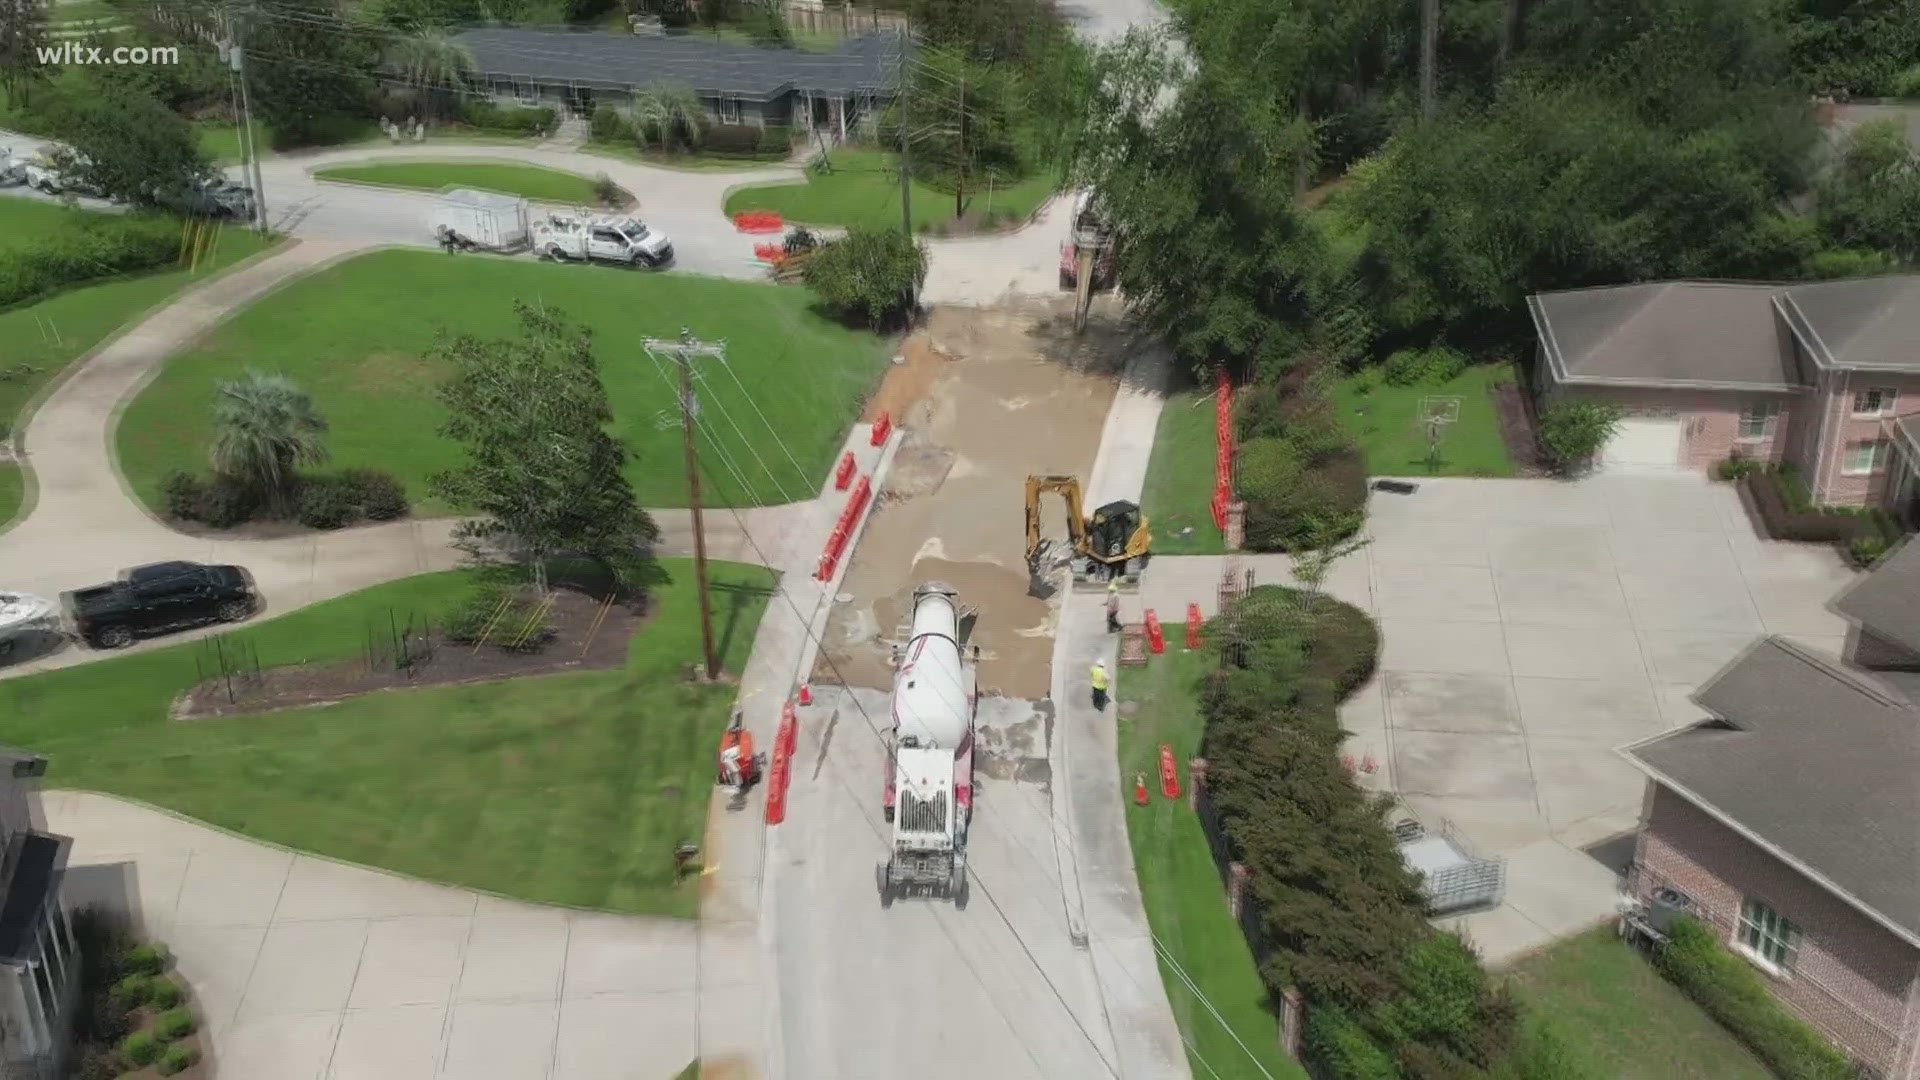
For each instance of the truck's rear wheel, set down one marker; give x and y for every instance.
(886, 886)
(554, 253)
(960, 893)
(113, 637)
(234, 610)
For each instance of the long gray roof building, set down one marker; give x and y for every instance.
(867, 64)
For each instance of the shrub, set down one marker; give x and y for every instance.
(326, 503)
(872, 275)
(229, 502)
(508, 118)
(505, 614)
(1285, 494)
(185, 495)
(177, 1059)
(732, 140)
(377, 493)
(608, 125)
(97, 1063)
(472, 616)
(1571, 432)
(776, 139)
(1733, 468)
(148, 959)
(1732, 993)
(1429, 366)
(140, 1048)
(174, 1023)
(91, 246)
(165, 994)
(133, 991)
(1345, 646)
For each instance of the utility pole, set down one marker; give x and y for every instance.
(249, 149)
(683, 352)
(906, 173)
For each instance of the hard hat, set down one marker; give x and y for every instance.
(1113, 586)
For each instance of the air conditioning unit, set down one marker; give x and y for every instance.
(1666, 905)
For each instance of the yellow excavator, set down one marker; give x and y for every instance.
(1113, 543)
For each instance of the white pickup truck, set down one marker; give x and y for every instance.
(626, 241)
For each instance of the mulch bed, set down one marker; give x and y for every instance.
(1515, 412)
(438, 662)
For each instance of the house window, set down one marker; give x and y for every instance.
(1757, 419)
(1865, 458)
(1874, 401)
(1767, 937)
(729, 110)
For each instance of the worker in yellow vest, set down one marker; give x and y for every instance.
(1098, 677)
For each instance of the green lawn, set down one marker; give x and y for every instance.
(528, 181)
(1613, 1009)
(1185, 901)
(354, 336)
(1386, 421)
(571, 789)
(685, 162)
(863, 190)
(1178, 497)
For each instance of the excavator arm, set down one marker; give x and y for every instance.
(1039, 548)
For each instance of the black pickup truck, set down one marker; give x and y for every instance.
(156, 597)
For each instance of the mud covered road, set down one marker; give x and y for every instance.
(986, 396)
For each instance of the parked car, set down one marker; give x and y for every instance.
(13, 167)
(159, 597)
(56, 172)
(23, 615)
(627, 241)
(214, 196)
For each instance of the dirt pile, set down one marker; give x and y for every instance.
(1011, 392)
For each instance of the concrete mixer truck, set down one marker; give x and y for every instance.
(929, 771)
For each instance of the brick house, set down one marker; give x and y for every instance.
(1824, 375)
(1791, 819)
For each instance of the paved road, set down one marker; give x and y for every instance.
(309, 969)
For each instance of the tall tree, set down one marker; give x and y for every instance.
(1871, 197)
(264, 428)
(307, 67)
(23, 32)
(667, 115)
(433, 64)
(542, 472)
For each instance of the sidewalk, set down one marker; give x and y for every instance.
(737, 1010)
(1105, 910)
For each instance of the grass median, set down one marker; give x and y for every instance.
(534, 182)
(356, 337)
(1223, 1015)
(1178, 495)
(863, 191)
(570, 789)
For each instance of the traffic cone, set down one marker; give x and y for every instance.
(806, 695)
(1140, 789)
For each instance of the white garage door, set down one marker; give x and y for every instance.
(1644, 444)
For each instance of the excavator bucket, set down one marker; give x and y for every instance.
(1040, 568)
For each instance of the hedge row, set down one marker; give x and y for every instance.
(93, 246)
(772, 142)
(1787, 512)
(512, 119)
(320, 502)
(1729, 990)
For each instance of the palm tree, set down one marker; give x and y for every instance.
(432, 63)
(263, 426)
(665, 113)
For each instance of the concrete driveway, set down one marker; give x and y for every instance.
(1528, 628)
(307, 969)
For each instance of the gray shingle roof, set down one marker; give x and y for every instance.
(1668, 333)
(864, 64)
(1816, 760)
(1887, 601)
(1859, 322)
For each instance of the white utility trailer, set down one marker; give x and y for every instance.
(466, 218)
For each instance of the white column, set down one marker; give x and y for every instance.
(37, 1035)
(840, 109)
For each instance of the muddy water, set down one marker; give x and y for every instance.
(1017, 396)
